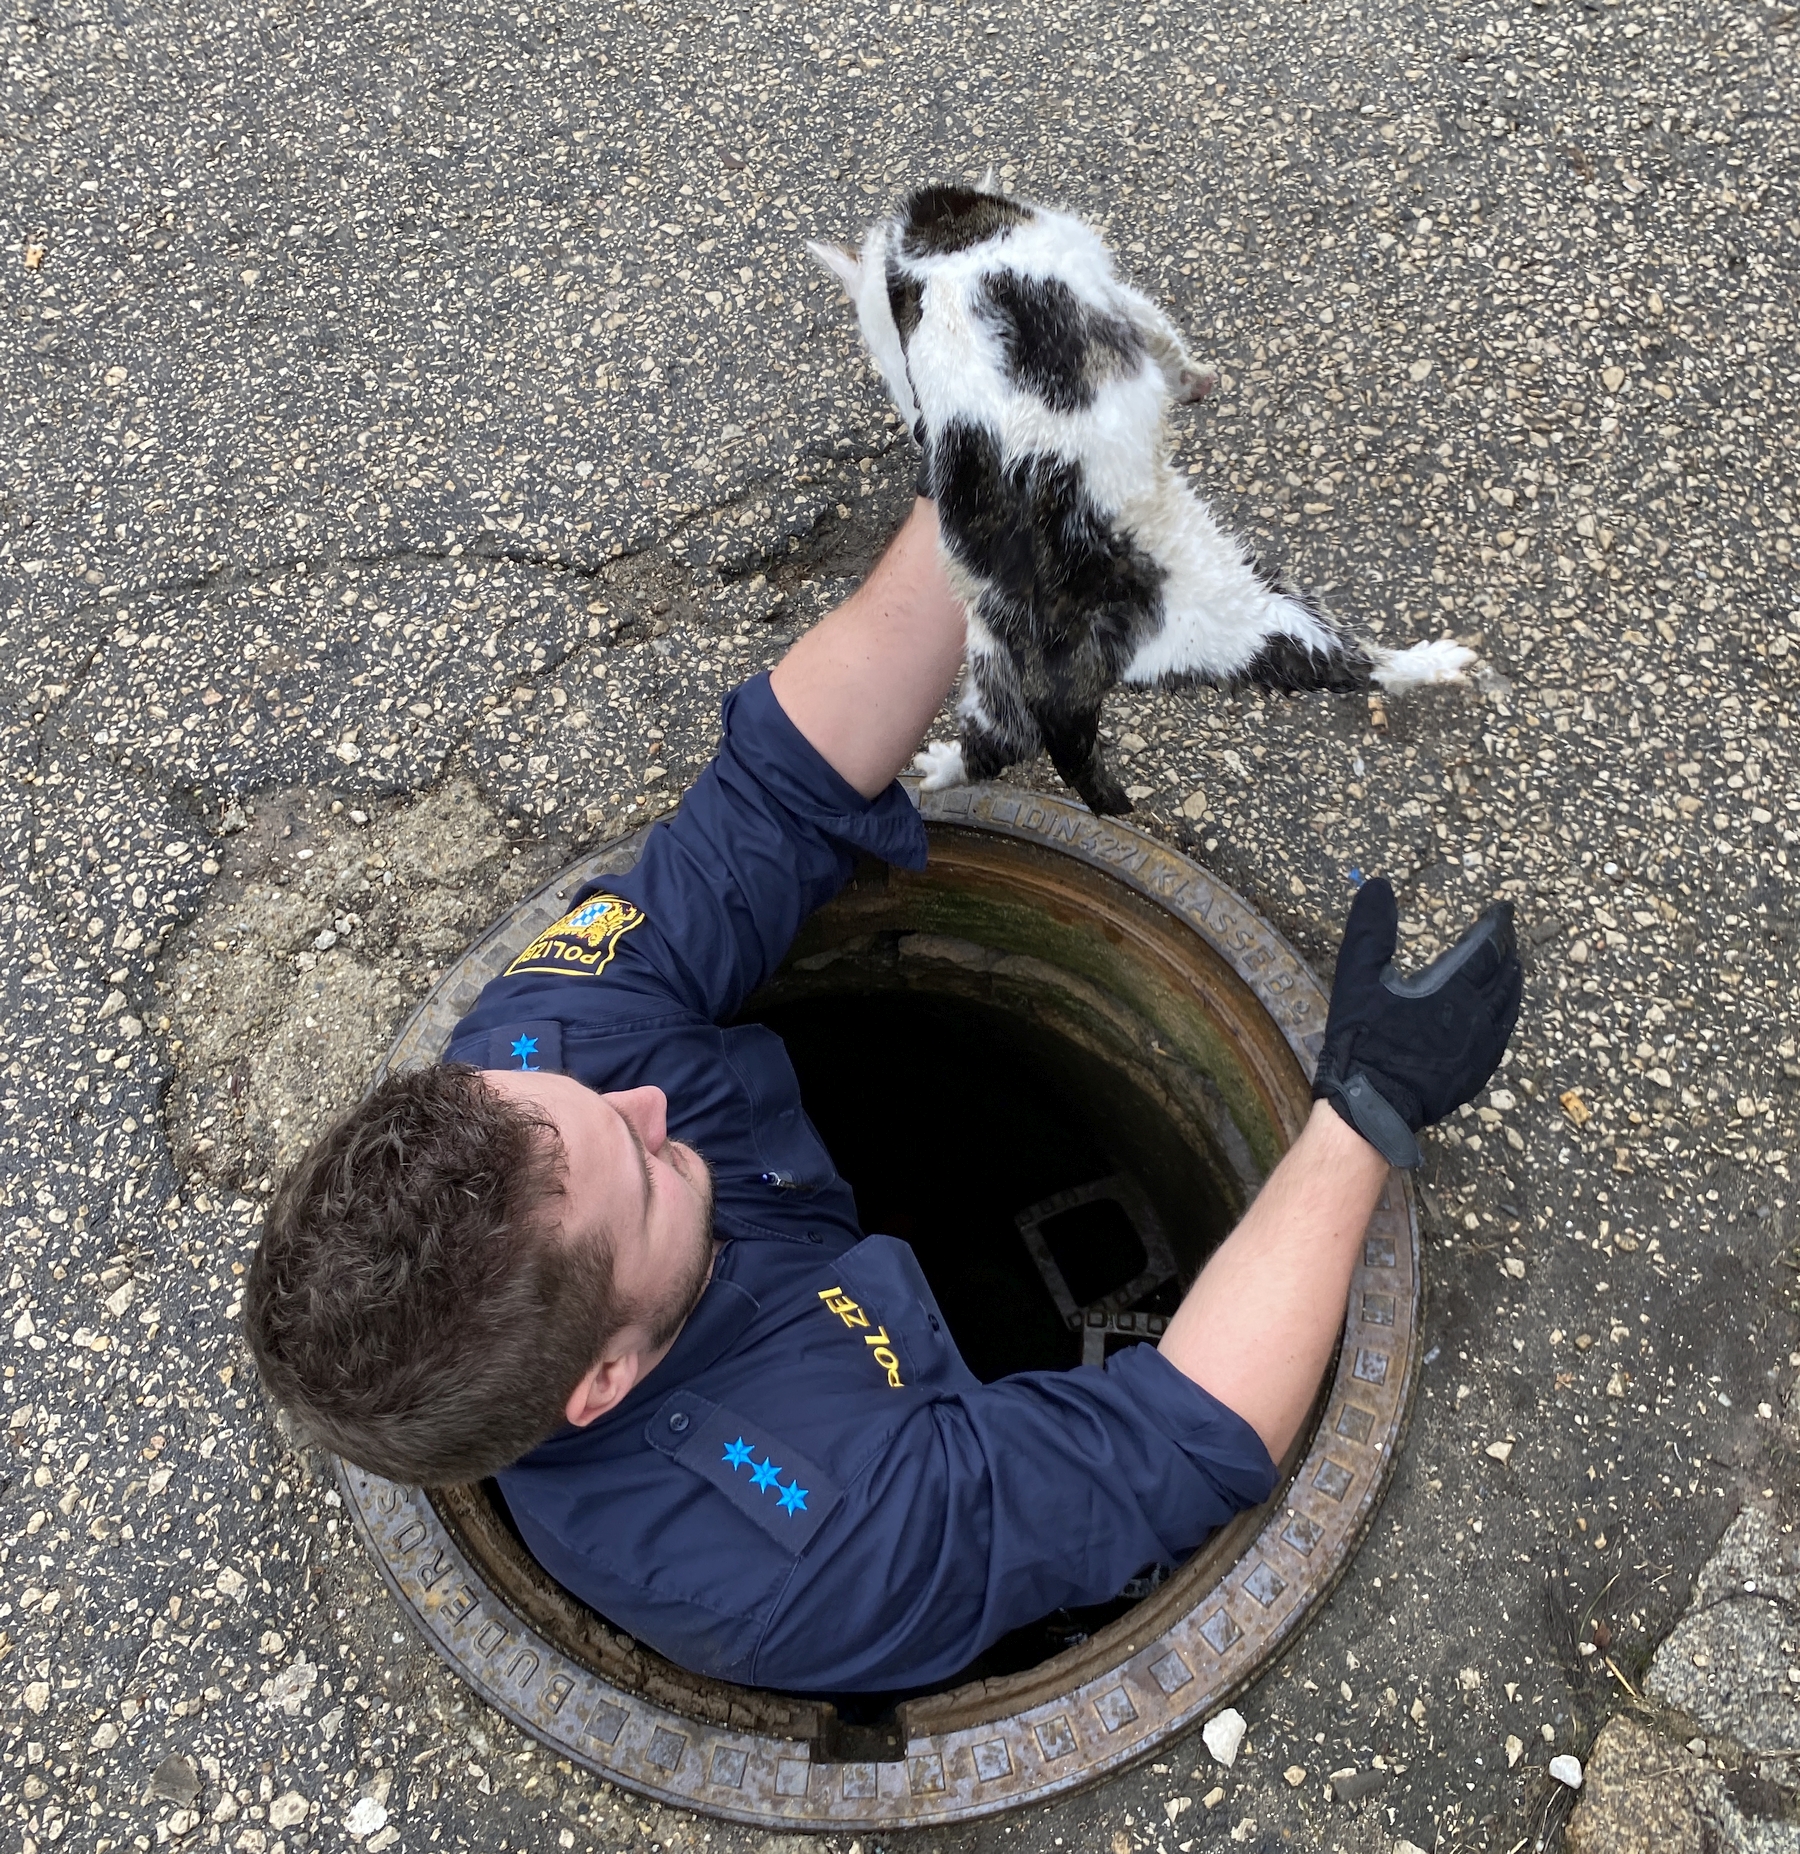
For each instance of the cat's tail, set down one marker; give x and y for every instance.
(1420, 665)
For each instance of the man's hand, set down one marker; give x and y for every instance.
(1402, 1053)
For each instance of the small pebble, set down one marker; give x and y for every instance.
(176, 1780)
(1223, 1733)
(287, 1811)
(1566, 1769)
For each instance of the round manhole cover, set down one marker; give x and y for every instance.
(1124, 1047)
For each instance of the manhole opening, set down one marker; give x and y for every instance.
(1031, 1178)
(1058, 1062)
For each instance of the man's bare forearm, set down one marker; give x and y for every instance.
(864, 682)
(1257, 1327)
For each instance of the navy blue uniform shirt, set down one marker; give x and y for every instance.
(812, 1491)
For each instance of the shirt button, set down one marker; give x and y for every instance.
(814, 1236)
(679, 1421)
(934, 1323)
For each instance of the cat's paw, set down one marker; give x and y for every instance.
(940, 766)
(1194, 385)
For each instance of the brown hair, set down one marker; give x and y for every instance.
(412, 1303)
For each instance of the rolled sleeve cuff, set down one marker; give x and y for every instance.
(1216, 1439)
(763, 745)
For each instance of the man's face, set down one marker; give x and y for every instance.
(647, 1197)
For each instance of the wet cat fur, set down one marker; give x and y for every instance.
(1039, 384)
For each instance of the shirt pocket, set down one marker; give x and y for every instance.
(788, 1499)
(883, 1276)
(788, 1150)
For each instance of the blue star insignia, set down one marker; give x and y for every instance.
(737, 1454)
(764, 1474)
(525, 1047)
(793, 1498)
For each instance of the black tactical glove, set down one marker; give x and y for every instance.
(1401, 1053)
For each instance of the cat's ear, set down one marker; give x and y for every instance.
(842, 264)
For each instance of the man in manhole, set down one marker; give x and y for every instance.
(601, 1253)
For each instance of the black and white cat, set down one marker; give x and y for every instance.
(1038, 384)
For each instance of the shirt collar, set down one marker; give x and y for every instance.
(710, 1331)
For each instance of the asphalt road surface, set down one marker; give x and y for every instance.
(416, 415)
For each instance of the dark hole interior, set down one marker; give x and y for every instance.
(1098, 1249)
(949, 1116)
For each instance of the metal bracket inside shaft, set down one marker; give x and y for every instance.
(1107, 1314)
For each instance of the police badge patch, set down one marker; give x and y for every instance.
(583, 942)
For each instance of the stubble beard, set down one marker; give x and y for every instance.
(663, 1322)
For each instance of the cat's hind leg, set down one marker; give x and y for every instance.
(1188, 382)
(997, 729)
(1073, 743)
(1227, 622)
(1315, 658)
(939, 764)
(1314, 655)
(1317, 655)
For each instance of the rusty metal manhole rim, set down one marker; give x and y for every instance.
(1054, 1745)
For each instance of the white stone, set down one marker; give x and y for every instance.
(1223, 1733)
(365, 1818)
(1566, 1769)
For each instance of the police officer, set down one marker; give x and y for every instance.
(602, 1253)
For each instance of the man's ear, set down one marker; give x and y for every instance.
(604, 1387)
